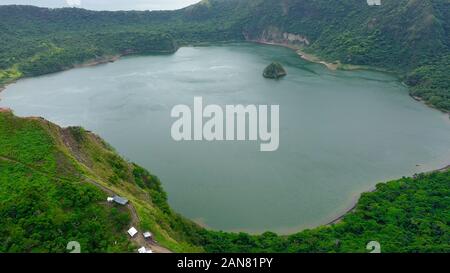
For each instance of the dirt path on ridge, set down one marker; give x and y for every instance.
(138, 238)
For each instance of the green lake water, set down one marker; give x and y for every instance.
(341, 132)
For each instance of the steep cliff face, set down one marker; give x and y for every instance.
(273, 35)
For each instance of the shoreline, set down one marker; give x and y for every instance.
(315, 59)
(346, 67)
(4, 86)
(298, 49)
(419, 99)
(337, 65)
(351, 208)
(355, 202)
(308, 57)
(88, 63)
(99, 61)
(305, 56)
(335, 220)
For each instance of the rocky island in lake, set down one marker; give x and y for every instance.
(274, 71)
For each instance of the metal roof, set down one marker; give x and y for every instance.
(132, 231)
(120, 200)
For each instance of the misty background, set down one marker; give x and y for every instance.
(106, 4)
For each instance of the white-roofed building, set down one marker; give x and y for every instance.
(144, 250)
(374, 2)
(132, 231)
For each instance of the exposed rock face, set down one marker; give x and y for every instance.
(276, 36)
(274, 71)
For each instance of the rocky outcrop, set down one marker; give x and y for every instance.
(273, 35)
(274, 71)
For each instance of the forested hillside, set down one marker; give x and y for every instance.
(51, 179)
(404, 36)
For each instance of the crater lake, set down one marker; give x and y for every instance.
(341, 132)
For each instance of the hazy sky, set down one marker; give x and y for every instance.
(107, 4)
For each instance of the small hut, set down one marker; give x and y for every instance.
(147, 235)
(144, 250)
(132, 231)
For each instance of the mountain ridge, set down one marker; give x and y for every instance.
(407, 37)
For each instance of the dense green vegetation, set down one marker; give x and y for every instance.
(274, 71)
(43, 214)
(407, 37)
(46, 202)
(431, 82)
(43, 205)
